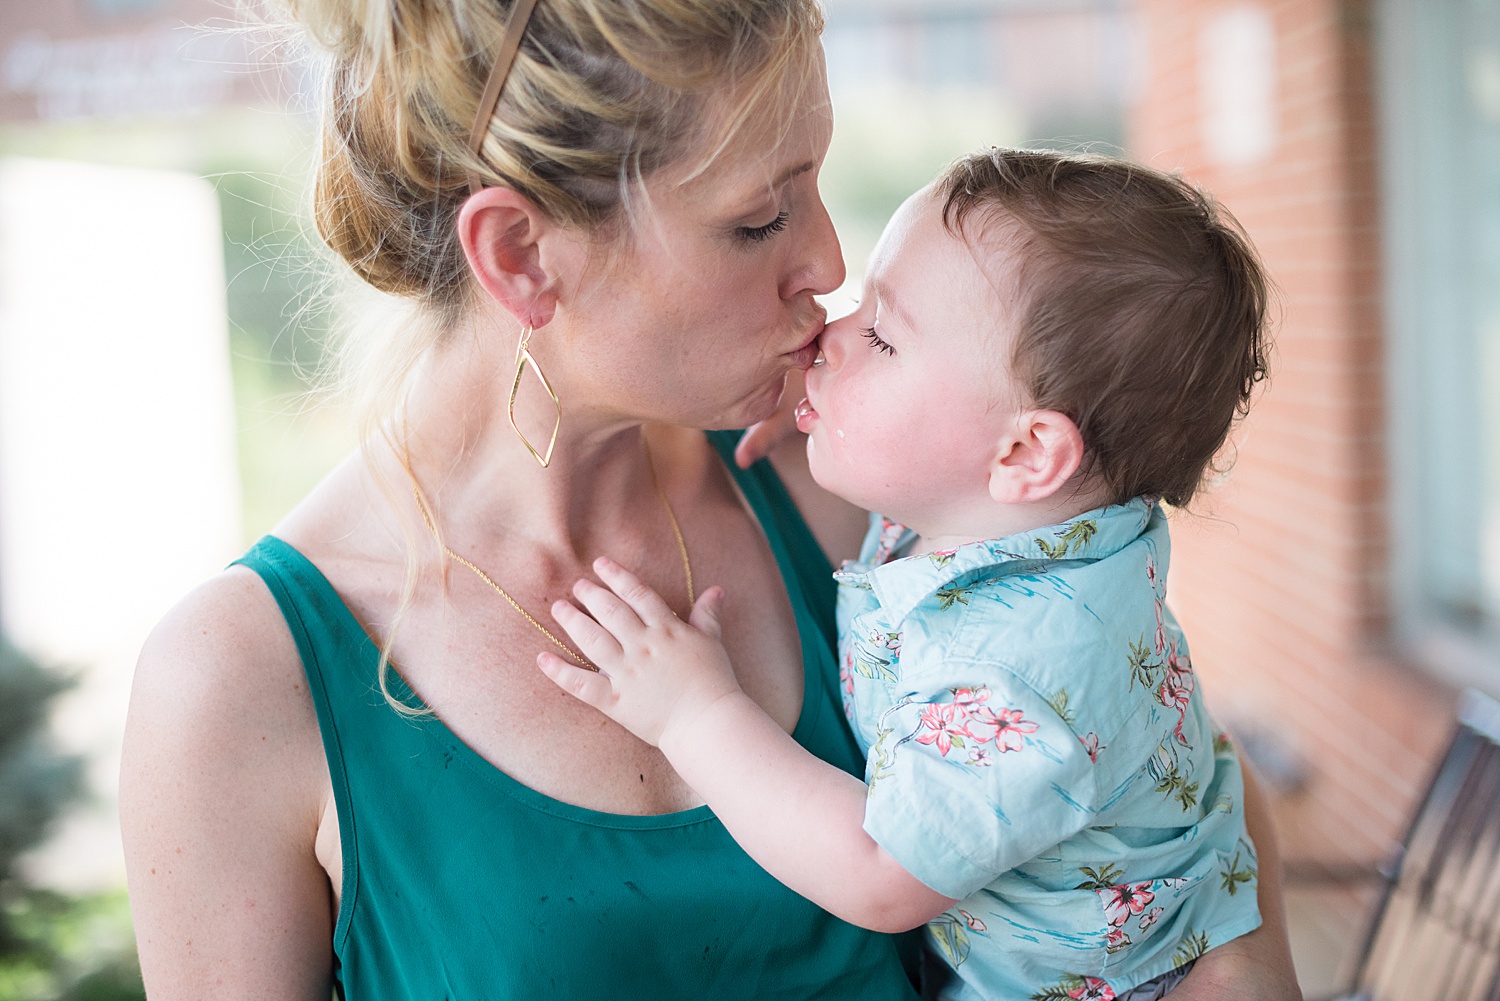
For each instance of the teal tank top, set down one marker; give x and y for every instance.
(462, 883)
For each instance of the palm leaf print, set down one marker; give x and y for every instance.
(1166, 772)
(1145, 665)
(1058, 993)
(1231, 878)
(953, 594)
(1073, 539)
(1190, 948)
(1100, 879)
(868, 665)
(882, 757)
(1059, 704)
(951, 937)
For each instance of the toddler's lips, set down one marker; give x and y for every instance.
(805, 416)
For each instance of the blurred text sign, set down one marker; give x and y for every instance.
(160, 58)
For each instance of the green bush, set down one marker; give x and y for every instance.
(52, 947)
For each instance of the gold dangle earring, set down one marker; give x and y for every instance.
(524, 358)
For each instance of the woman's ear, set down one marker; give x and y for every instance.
(1036, 458)
(508, 241)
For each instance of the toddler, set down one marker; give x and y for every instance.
(1049, 347)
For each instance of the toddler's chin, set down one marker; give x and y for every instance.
(824, 475)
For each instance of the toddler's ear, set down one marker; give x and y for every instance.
(1036, 458)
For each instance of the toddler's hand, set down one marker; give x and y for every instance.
(656, 672)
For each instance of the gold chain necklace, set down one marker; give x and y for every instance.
(574, 655)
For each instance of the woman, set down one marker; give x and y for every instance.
(629, 249)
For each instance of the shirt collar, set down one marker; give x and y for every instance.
(901, 583)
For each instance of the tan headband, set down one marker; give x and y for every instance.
(520, 16)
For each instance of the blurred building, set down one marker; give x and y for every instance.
(125, 59)
(1343, 581)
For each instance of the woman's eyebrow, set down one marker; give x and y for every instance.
(794, 171)
(753, 201)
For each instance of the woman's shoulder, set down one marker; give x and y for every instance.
(222, 787)
(221, 674)
(221, 670)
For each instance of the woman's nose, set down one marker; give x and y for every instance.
(822, 269)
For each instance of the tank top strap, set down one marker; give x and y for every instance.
(328, 638)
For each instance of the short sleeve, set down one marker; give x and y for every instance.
(972, 776)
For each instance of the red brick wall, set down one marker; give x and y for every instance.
(1279, 573)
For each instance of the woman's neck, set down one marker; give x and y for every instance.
(482, 482)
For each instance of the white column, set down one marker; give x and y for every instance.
(118, 484)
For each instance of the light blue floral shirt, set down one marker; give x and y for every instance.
(1039, 749)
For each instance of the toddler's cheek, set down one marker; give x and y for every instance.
(842, 465)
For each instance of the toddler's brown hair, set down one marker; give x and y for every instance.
(1142, 307)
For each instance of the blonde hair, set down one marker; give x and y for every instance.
(602, 94)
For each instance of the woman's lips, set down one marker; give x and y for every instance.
(805, 415)
(804, 356)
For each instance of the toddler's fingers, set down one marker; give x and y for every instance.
(756, 443)
(586, 686)
(705, 615)
(617, 618)
(596, 642)
(636, 593)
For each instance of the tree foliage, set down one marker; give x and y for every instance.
(53, 947)
(36, 780)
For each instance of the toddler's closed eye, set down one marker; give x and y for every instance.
(876, 342)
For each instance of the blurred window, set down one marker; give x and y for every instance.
(917, 83)
(1440, 69)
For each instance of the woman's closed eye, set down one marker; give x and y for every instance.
(755, 234)
(876, 342)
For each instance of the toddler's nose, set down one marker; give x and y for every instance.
(832, 344)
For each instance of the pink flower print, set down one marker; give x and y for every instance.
(968, 699)
(939, 726)
(972, 921)
(1090, 742)
(1011, 730)
(942, 557)
(968, 704)
(979, 757)
(1161, 631)
(1115, 940)
(890, 534)
(1151, 571)
(1149, 918)
(1120, 902)
(1092, 989)
(1177, 689)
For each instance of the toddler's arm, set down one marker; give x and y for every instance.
(670, 683)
